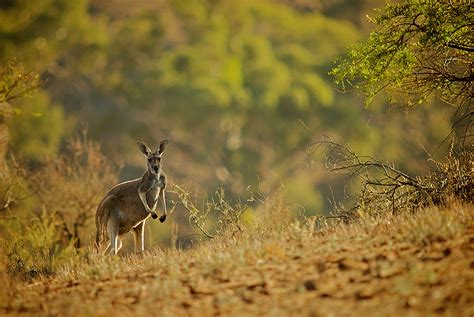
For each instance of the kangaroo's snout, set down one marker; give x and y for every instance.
(154, 216)
(155, 168)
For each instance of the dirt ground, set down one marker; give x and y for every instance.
(399, 266)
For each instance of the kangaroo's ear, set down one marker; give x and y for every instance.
(143, 148)
(162, 146)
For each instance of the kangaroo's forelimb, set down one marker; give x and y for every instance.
(163, 216)
(142, 196)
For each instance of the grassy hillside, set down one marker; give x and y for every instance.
(412, 264)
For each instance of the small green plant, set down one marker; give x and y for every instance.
(32, 246)
(15, 82)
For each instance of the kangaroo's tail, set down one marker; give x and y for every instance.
(101, 225)
(98, 225)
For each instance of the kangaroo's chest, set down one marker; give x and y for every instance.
(152, 194)
(155, 187)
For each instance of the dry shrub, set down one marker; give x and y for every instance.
(33, 247)
(46, 230)
(224, 215)
(453, 178)
(217, 216)
(385, 188)
(13, 186)
(70, 187)
(273, 213)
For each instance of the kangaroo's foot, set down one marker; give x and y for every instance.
(163, 218)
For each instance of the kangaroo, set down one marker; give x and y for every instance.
(126, 206)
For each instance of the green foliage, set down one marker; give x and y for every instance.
(42, 33)
(219, 68)
(36, 133)
(15, 82)
(419, 48)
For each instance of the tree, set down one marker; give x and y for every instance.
(15, 82)
(419, 49)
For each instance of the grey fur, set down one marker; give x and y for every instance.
(125, 207)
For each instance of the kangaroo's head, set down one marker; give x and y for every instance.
(153, 157)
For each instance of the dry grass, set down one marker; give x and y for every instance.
(409, 264)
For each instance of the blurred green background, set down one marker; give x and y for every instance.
(238, 87)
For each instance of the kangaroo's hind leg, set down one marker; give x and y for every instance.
(119, 244)
(139, 237)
